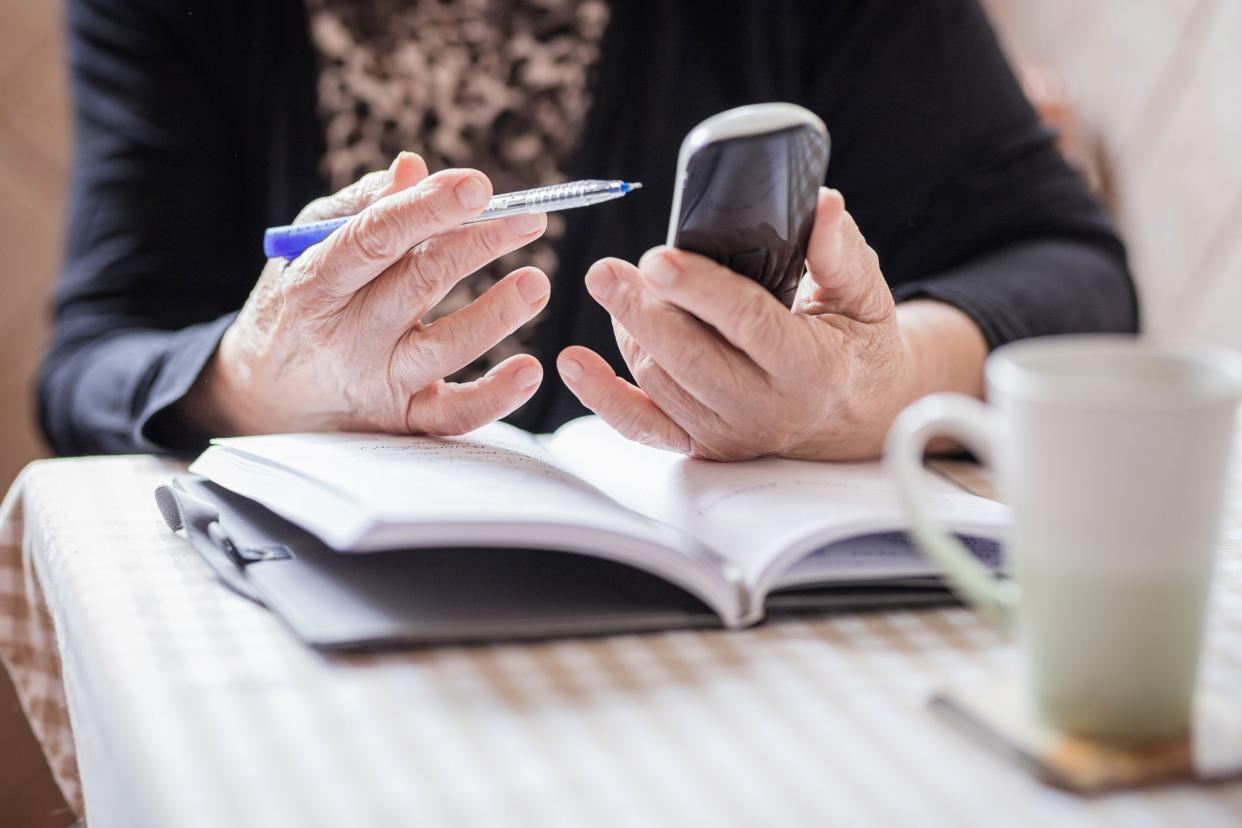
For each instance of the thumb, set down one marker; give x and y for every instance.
(406, 170)
(843, 272)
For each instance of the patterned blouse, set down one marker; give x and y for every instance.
(498, 85)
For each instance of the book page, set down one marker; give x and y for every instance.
(876, 557)
(763, 515)
(498, 473)
(497, 486)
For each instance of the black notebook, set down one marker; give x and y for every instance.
(365, 539)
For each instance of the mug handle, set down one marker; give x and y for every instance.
(975, 426)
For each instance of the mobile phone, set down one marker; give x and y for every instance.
(746, 188)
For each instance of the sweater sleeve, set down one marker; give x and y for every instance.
(953, 179)
(150, 263)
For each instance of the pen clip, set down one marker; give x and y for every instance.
(201, 522)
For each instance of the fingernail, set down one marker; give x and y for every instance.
(528, 376)
(532, 287)
(661, 270)
(527, 224)
(571, 369)
(601, 283)
(471, 192)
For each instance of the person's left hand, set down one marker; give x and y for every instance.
(727, 372)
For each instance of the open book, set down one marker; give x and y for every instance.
(730, 534)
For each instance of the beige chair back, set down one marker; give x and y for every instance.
(1159, 84)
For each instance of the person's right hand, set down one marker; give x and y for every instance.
(333, 340)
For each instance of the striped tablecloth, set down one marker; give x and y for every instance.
(163, 699)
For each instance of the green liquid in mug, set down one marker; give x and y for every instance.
(1113, 655)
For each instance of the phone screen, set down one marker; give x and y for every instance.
(749, 203)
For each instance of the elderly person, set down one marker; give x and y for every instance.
(200, 123)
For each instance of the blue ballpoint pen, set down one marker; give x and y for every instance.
(289, 241)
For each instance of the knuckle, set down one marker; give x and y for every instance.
(426, 413)
(453, 415)
(431, 267)
(461, 252)
(434, 205)
(493, 239)
(446, 258)
(624, 302)
(629, 422)
(418, 353)
(359, 195)
(753, 325)
(507, 312)
(376, 234)
(369, 186)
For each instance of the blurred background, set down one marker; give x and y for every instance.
(34, 159)
(1146, 92)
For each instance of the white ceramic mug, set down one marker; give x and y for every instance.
(1113, 454)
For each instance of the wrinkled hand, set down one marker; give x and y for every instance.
(333, 339)
(726, 372)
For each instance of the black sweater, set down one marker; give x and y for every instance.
(195, 128)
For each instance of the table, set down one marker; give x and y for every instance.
(163, 699)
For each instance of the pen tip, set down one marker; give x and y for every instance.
(630, 186)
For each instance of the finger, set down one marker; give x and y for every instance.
(430, 352)
(421, 278)
(631, 351)
(687, 349)
(449, 408)
(371, 241)
(663, 390)
(826, 247)
(845, 275)
(711, 434)
(741, 311)
(623, 406)
(406, 170)
(674, 400)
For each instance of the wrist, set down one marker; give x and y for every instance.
(218, 403)
(944, 347)
(904, 382)
(946, 351)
